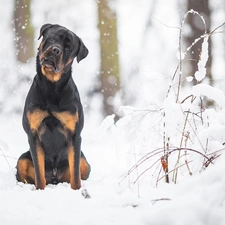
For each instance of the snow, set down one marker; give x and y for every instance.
(211, 92)
(201, 73)
(198, 200)
(127, 184)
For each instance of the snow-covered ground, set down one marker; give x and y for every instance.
(127, 183)
(199, 199)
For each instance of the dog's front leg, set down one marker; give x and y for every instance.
(74, 163)
(32, 122)
(38, 158)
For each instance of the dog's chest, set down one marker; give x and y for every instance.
(65, 119)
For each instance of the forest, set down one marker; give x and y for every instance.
(112, 38)
(152, 89)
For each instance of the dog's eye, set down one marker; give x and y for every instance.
(51, 39)
(67, 48)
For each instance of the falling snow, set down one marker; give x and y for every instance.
(127, 182)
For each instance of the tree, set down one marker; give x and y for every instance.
(24, 32)
(197, 29)
(110, 71)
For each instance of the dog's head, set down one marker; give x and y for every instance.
(58, 49)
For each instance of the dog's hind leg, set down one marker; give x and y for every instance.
(25, 169)
(85, 167)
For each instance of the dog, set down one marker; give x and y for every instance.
(53, 114)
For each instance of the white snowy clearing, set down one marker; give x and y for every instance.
(198, 199)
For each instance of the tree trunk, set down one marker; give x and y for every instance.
(24, 32)
(109, 75)
(198, 29)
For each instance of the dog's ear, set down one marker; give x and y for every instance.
(83, 51)
(44, 29)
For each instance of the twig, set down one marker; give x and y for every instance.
(161, 151)
(173, 170)
(85, 193)
(160, 199)
(7, 156)
(214, 30)
(3, 154)
(190, 96)
(181, 143)
(146, 171)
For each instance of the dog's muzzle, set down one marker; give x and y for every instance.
(50, 58)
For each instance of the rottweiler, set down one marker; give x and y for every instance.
(53, 114)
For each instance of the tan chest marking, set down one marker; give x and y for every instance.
(35, 118)
(50, 74)
(67, 119)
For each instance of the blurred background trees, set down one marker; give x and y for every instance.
(109, 66)
(24, 31)
(120, 35)
(196, 29)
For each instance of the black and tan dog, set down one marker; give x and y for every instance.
(53, 114)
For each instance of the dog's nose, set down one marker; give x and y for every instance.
(56, 50)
